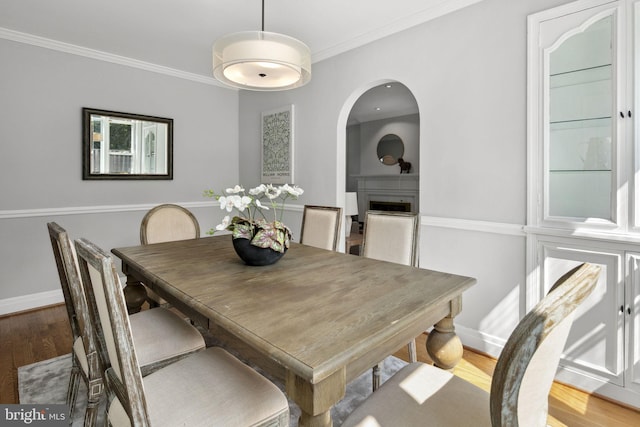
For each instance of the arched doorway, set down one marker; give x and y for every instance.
(380, 130)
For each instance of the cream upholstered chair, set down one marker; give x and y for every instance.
(210, 387)
(166, 223)
(161, 336)
(393, 237)
(321, 226)
(421, 394)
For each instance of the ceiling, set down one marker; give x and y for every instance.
(382, 102)
(178, 34)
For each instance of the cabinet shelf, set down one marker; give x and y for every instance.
(588, 119)
(580, 70)
(578, 170)
(584, 76)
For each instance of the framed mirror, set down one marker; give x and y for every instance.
(119, 145)
(390, 149)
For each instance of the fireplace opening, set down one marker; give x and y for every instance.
(389, 206)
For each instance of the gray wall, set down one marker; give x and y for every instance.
(42, 93)
(406, 127)
(467, 71)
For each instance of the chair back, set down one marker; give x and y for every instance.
(75, 299)
(391, 236)
(123, 377)
(527, 365)
(168, 222)
(321, 226)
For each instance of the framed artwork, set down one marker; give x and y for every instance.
(277, 146)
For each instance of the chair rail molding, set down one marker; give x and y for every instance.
(83, 210)
(474, 225)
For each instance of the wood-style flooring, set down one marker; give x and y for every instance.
(42, 334)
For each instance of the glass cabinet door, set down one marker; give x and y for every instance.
(580, 133)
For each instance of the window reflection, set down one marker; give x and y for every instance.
(127, 146)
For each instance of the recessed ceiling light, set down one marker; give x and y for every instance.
(378, 108)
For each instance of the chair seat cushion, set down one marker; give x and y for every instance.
(423, 395)
(209, 388)
(161, 337)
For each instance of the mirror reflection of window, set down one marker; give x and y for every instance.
(127, 146)
(120, 146)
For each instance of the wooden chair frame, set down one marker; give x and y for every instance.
(81, 326)
(91, 256)
(560, 304)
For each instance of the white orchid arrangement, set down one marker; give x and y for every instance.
(260, 214)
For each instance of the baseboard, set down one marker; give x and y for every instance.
(481, 342)
(30, 302)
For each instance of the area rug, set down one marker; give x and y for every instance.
(46, 383)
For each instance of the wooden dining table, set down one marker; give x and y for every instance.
(321, 317)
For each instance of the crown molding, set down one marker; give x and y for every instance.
(59, 46)
(432, 12)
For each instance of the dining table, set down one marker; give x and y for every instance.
(322, 318)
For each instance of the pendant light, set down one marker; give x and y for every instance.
(261, 60)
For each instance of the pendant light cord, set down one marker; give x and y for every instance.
(262, 15)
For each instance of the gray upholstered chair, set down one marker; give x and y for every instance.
(393, 237)
(210, 387)
(161, 336)
(421, 394)
(167, 223)
(321, 226)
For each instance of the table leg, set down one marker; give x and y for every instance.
(443, 345)
(135, 295)
(315, 400)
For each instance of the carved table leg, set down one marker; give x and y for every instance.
(443, 345)
(134, 294)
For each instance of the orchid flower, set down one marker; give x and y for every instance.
(260, 231)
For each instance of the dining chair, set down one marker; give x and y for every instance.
(321, 226)
(393, 237)
(161, 336)
(210, 387)
(165, 223)
(523, 376)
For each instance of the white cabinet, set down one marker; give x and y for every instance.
(631, 310)
(602, 354)
(583, 163)
(596, 344)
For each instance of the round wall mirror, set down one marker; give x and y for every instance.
(390, 149)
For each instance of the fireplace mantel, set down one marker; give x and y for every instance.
(399, 188)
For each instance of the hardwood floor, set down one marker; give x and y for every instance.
(42, 334)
